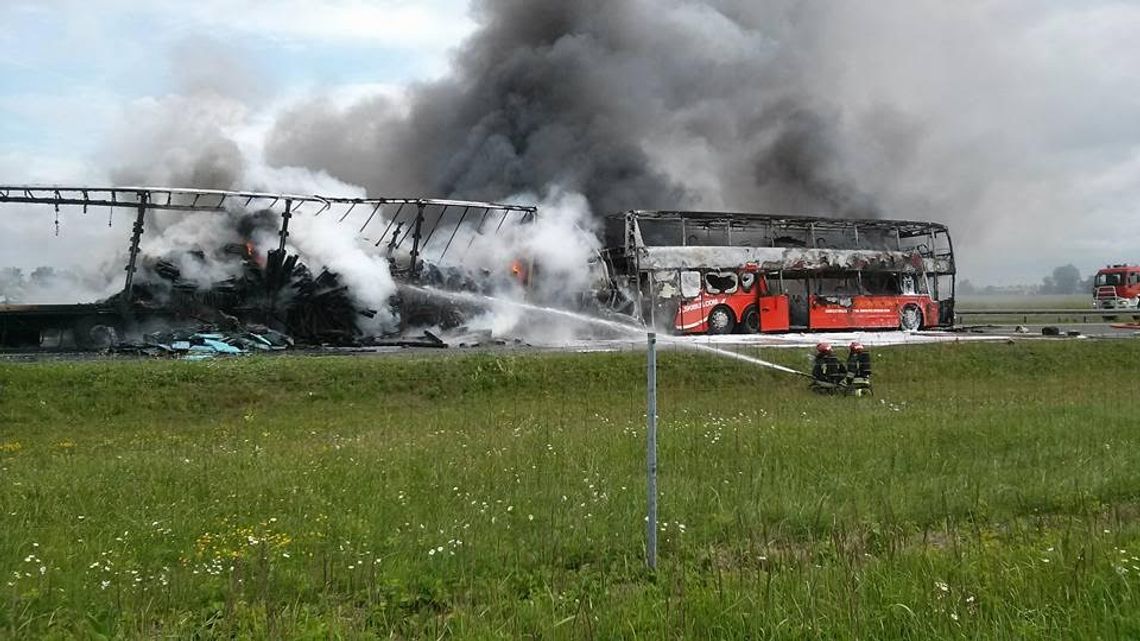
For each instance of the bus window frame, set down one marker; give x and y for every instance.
(694, 278)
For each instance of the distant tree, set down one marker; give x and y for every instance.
(11, 283)
(967, 288)
(42, 275)
(1066, 279)
(12, 274)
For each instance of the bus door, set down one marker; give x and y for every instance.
(775, 314)
(799, 304)
(691, 313)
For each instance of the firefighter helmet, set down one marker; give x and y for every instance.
(856, 346)
(823, 347)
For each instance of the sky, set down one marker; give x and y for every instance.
(72, 69)
(1029, 118)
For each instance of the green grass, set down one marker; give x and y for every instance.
(1078, 302)
(987, 491)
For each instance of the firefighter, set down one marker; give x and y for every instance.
(858, 369)
(858, 361)
(827, 371)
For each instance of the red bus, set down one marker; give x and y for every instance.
(748, 301)
(717, 273)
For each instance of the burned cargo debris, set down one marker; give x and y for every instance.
(275, 290)
(270, 261)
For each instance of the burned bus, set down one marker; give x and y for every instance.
(718, 273)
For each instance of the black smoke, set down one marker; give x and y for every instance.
(632, 103)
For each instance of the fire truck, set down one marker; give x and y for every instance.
(1117, 287)
(718, 273)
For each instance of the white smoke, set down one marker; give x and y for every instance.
(559, 253)
(323, 243)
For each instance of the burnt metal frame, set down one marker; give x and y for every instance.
(907, 228)
(808, 224)
(211, 200)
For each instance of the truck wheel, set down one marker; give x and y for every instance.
(93, 332)
(452, 318)
(750, 320)
(721, 320)
(910, 318)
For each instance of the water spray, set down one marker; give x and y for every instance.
(630, 329)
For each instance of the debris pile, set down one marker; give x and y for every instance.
(208, 342)
(275, 291)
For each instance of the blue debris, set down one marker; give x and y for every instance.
(220, 347)
(209, 342)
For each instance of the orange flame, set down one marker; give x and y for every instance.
(518, 271)
(251, 253)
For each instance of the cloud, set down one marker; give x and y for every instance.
(392, 23)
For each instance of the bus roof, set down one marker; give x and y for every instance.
(787, 221)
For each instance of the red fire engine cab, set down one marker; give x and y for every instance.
(1117, 287)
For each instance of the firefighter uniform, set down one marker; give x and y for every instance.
(827, 368)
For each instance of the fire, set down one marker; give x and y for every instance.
(518, 271)
(251, 253)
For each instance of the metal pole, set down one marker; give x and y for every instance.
(416, 238)
(651, 455)
(136, 235)
(284, 233)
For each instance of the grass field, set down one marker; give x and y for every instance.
(1079, 302)
(987, 491)
(1081, 306)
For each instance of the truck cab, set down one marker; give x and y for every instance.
(1117, 287)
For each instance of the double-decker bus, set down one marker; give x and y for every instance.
(717, 273)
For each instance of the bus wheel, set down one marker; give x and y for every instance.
(750, 320)
(910, 318)
(721, 320)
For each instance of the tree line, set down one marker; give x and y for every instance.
(1065, 279)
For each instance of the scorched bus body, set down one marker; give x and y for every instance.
(716, 273)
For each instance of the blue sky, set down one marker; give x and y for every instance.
(71, 69)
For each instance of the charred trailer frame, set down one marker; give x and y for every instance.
(410, 227)
(656, 256)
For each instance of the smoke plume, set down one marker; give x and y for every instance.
(1011, 121)
(1002, 119)
(634, 104)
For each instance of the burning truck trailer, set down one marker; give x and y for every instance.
(717, 273)
(268, 288)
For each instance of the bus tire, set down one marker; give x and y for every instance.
(721, 320)
(750, 320)
(910, 318)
